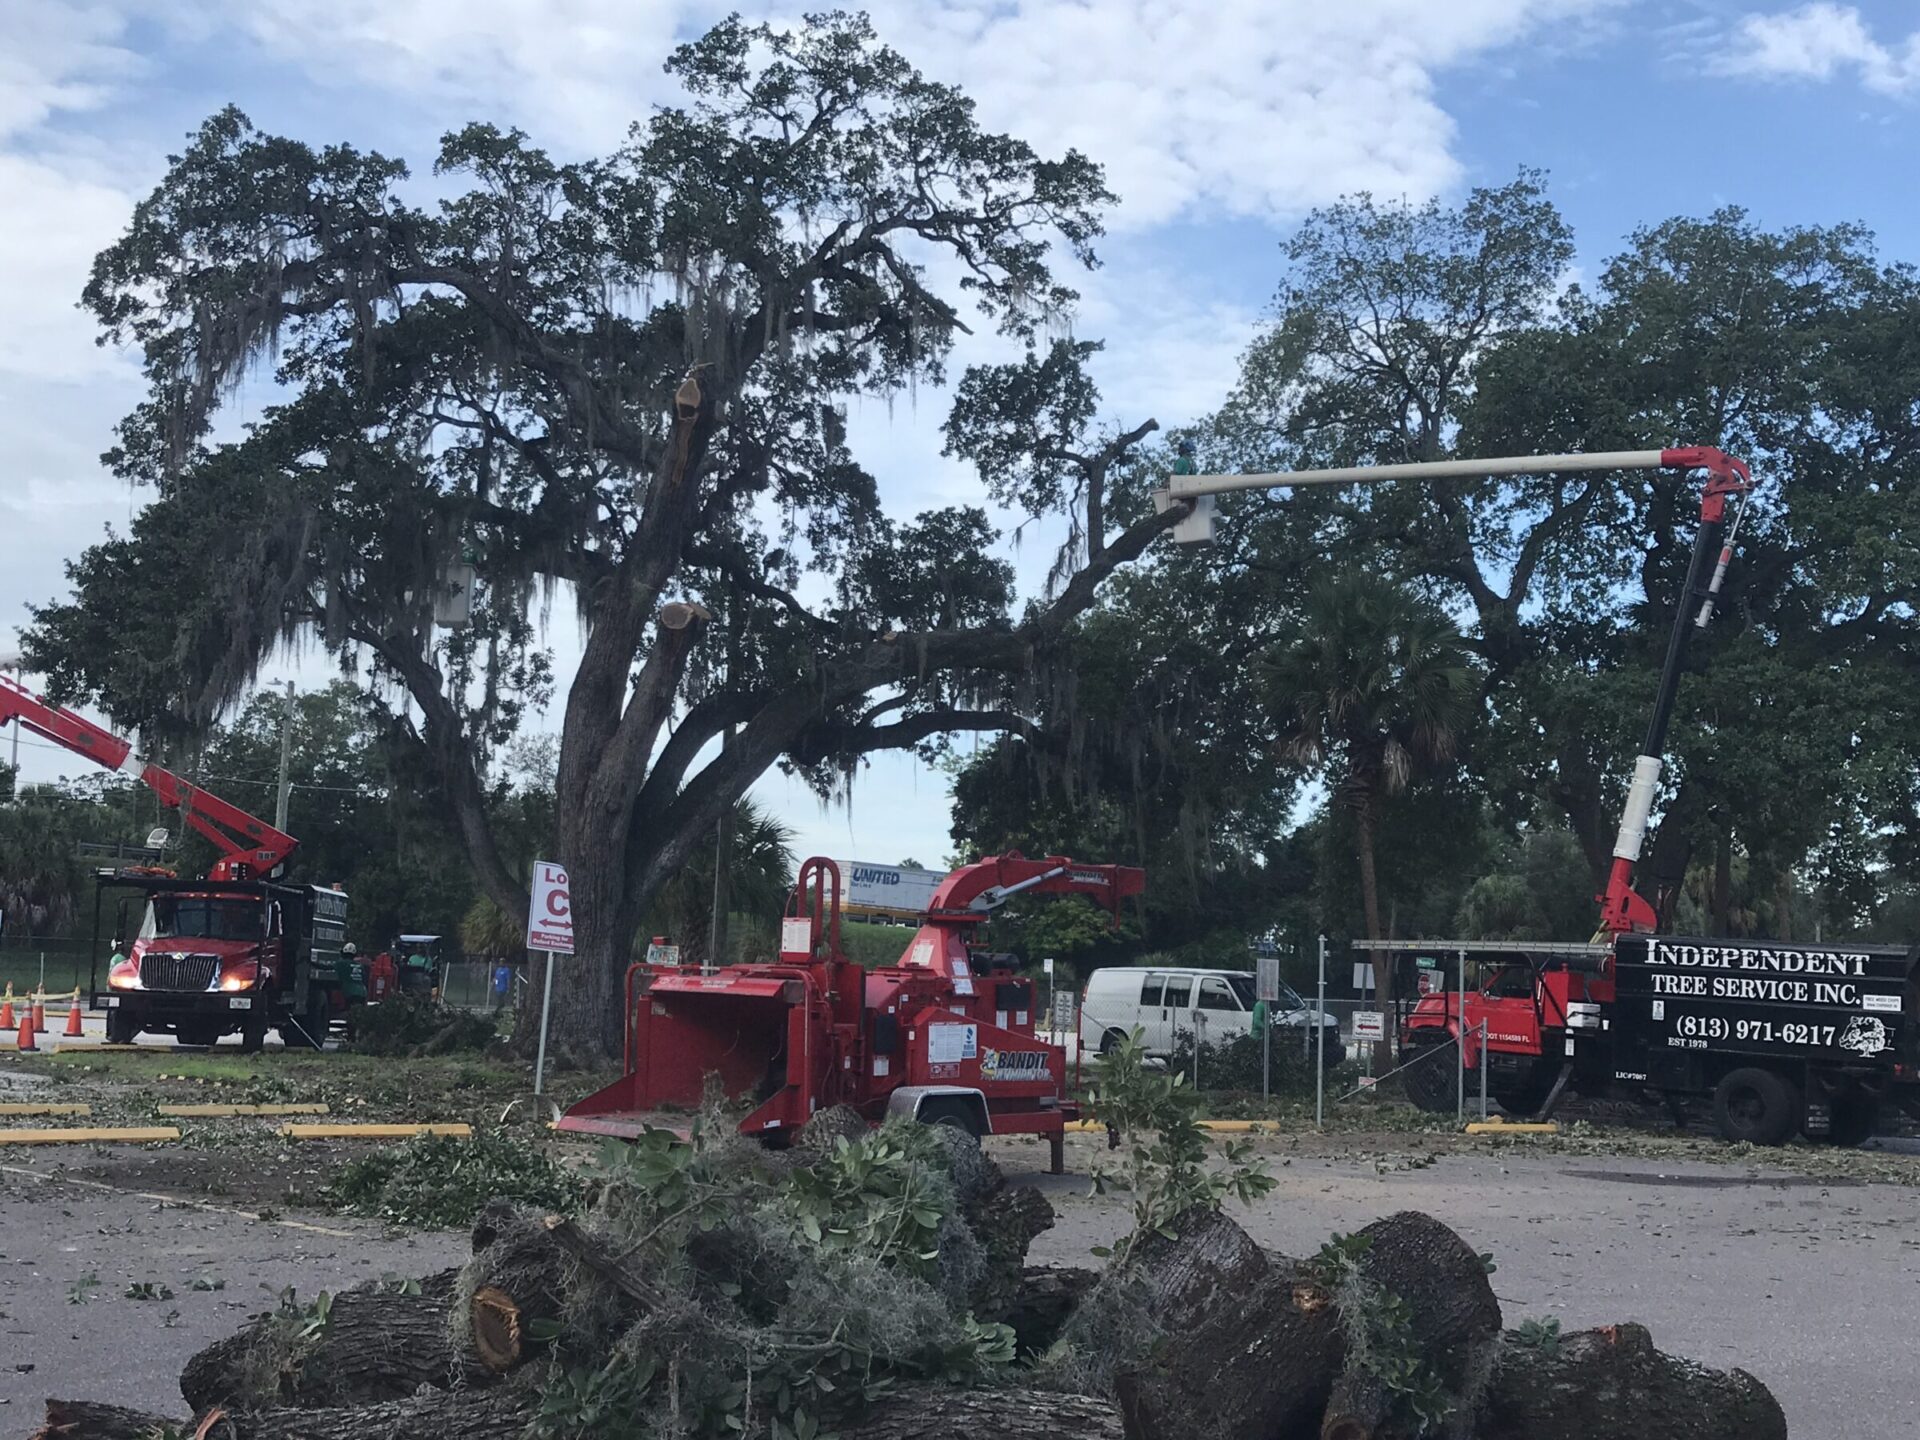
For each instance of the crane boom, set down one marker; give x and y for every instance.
(1622, 909)
(248, 845)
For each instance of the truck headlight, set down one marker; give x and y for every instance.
(124, 979)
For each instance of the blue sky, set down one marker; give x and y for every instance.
(1220, 123)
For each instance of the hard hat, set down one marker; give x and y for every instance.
(347, 949)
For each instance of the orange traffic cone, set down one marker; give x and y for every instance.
(26, 1030)
(6, 1008)
(73, 1017)
(37, 1013)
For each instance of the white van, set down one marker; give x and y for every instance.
(1170, 1003)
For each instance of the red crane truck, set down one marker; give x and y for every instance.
(940, 1036)
(238, 950)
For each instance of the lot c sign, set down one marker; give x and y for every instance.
(550, 914)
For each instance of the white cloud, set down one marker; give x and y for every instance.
(1822, 41)
(57, 57)
(1257, 107)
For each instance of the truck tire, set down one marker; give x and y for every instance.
(1758, 1106)
(1429, 1080)
(1853, 1120)
(253, 1030)
(123, 1026)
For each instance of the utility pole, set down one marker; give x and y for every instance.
(286, 760)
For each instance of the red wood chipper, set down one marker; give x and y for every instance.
(937, 1036)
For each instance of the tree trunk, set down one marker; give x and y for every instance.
(1363, 827)
(1723, 882)
(921, 1413)
(1611, 1384)
(375, 1345)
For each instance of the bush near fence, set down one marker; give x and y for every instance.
(1233, 1064)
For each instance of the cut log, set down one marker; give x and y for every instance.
(1242, 1346)
(374, 1345)
(1451, 1315)
(1258, 1366)
(1611, 1384)
(1044, 1303)
(84, 1420)
(931, 1413)
(519, 1276)
(924, 1413)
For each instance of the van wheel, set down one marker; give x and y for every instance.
(1757, 1106)
(1111, 1041)
(1853, 1121)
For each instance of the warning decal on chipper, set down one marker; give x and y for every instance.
(1015, 1065)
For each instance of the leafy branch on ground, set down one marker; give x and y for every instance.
(1165, 1169)
(789, 1295)
(440, 1181)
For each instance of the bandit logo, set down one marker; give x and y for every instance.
(1015, 1065)
(1864, 1035)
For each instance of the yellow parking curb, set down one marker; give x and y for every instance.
(131, 1134)
(46, 1109)
(1513, 1127)
(214, 1112)
(371, 1132)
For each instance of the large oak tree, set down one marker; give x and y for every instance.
(623, 379)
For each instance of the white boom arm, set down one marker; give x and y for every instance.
(1197, 528)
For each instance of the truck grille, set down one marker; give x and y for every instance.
(177, 972)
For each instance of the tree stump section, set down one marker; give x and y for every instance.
(1611, 1384)
(1249, 1345)
(1453, 1321)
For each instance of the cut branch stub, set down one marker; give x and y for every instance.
(495, 1320)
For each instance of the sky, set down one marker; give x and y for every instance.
(1220, 124)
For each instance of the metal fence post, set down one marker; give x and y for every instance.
(1483, 1070)
(1460, 1048)
(1320, 1045)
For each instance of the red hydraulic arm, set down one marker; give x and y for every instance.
(1622, 909)
(974, 891)
(248, 845)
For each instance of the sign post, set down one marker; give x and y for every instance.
(1320, 1044)
(1267, 972)
(549, 928)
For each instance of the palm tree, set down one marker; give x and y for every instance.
(1377, 686)
(759, 875)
